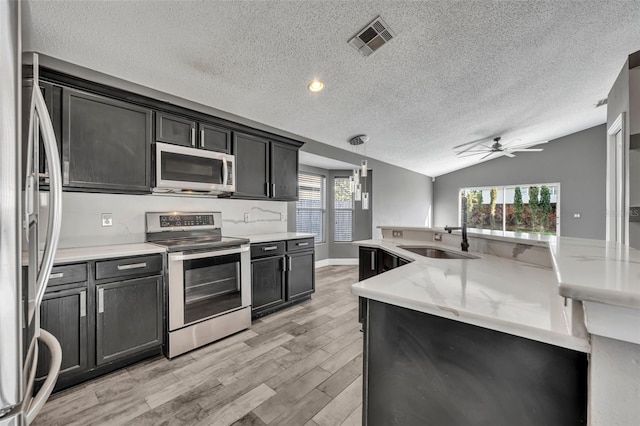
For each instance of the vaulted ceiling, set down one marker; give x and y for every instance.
(455, 72)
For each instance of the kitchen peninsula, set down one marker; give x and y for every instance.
(496, 332)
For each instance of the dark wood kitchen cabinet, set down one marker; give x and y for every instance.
(267, 282)
(422, 369)
(184, 131)
(64, 314)
(283, 273)
(106, 143)
(105, 313)
(128, 318)
(367, 262)
(265, 169)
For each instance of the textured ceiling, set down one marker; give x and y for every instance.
(456, 71)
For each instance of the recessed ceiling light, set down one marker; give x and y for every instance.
(316, 85)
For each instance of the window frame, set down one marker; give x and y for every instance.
(336, 209)
(504, 203)
(322, 209)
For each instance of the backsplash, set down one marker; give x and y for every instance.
(81, 216)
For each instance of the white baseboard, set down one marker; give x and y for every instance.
(333, 262)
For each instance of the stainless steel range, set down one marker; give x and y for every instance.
(208, 278)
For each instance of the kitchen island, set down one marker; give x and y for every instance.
(489, 340)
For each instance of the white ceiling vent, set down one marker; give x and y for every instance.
(372, 37)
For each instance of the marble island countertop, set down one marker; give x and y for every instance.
(492, 292)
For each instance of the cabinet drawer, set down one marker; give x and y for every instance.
(267, 249)
(303, 244)
(128, 266)
(67, 274)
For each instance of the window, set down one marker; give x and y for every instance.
(311, 206)
(532, 209)
(343, 209)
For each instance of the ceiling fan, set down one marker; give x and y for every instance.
(495, 148)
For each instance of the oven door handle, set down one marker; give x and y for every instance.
(180, 257)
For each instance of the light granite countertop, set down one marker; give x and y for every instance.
(278, 236)
(81, 254)
(491, 292)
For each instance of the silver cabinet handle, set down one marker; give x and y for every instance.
(132, 266)
(269, 248)
(65, 172)
(56, 275)
(303, 244)
(290, 268)
(373, 260)
(266, 184)
(193, 137)
(201, 138)
(100, 300)
(273, 190)
(284, 265)
(83, 304)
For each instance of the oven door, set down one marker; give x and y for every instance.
(181, 168)
(203, 285)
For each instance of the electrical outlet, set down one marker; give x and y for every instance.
(107, 219)
(576, 215)
(247, 217)
(397, 234)
(282, 217)
(437, 236)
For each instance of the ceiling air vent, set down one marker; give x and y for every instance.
(372, 37)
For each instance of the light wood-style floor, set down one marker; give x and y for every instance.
(300, 366)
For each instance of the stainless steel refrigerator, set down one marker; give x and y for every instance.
(21, 294)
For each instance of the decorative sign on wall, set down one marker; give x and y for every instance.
(634, 214)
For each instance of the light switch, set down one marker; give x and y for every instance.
(247, 217)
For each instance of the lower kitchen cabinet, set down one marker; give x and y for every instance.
(267, 282)
(300, 275)
(106, 314)
(64, 314)
(283, 273)
(128, 318)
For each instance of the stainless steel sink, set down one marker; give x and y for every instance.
(437, 253)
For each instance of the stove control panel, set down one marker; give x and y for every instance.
(186, 220)
(183, 221)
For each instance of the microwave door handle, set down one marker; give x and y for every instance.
(225, 171)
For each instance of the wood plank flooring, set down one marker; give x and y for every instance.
(300, 366)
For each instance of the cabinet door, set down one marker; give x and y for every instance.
(386, 261)
(368, 261)
(284, 172)
(267, 282)
(175, 130)
(128, 318)
(64, 314)
(300, 274)
(106, 143)
(214, 138)
(252, 166)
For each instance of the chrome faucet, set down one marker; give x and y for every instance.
(465, 242)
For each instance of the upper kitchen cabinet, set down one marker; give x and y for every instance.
(106, 143)
(284, 171)
(265, 169)
(187, 132)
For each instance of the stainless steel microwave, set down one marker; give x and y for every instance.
(188, 170)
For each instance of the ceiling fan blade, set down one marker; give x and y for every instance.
(508, 154)
(528, 144)
(470, 143)
(491, 153)
(467, 154)
(511, 142)
(525, 150)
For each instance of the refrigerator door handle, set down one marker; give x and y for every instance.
(43, 394)
(40, 114)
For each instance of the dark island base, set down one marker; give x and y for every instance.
(420, 369)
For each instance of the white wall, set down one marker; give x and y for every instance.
(81, 216)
